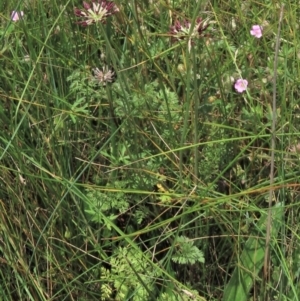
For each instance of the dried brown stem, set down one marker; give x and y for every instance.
(273, 137)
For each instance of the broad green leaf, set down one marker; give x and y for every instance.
(251, 259)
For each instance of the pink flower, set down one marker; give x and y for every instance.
(95, 12)
(241, 85)
(16, 16)
(256, 31)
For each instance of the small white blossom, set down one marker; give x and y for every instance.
(103, 76)
(95, 12)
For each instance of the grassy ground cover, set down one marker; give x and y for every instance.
(149, 150)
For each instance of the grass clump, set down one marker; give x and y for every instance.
(136, 151)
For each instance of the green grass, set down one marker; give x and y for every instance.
(154, 186)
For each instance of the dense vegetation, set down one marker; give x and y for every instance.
(136, 150)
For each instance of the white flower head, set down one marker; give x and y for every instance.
(103, 76)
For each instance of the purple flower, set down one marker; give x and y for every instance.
(256, 31)
(95, 12)
(16, 16)
(180, 31)
(241, 85)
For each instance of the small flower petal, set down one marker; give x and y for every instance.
(16, 16)
(241, 85)
(256, 31)
(86, 5)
